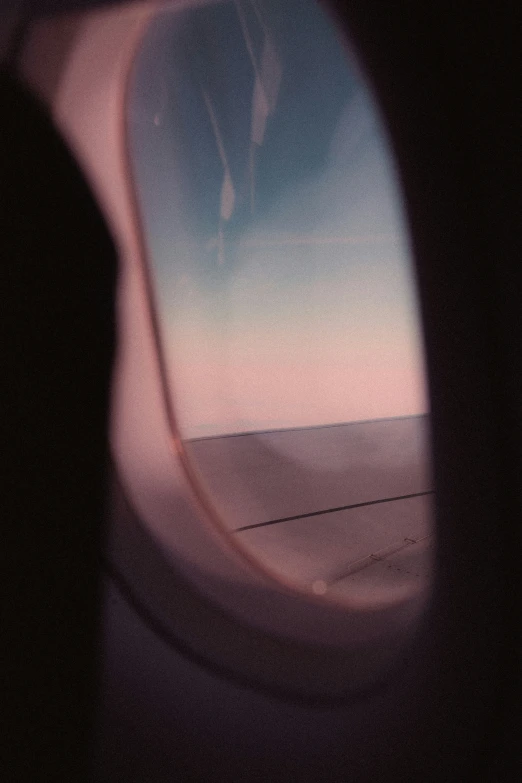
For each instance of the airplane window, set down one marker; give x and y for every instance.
(283, 288)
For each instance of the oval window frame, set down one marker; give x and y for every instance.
(376, 639)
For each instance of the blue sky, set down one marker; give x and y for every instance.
(282, 267)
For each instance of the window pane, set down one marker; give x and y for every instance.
(284, 290)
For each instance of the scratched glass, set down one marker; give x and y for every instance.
(284, 291)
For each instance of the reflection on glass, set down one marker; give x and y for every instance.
(284, 291)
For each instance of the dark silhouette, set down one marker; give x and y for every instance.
(58, 335)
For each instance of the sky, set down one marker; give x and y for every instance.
(273, 221)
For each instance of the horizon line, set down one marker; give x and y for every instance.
(269, 431)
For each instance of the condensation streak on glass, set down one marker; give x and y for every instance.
(285, 292)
